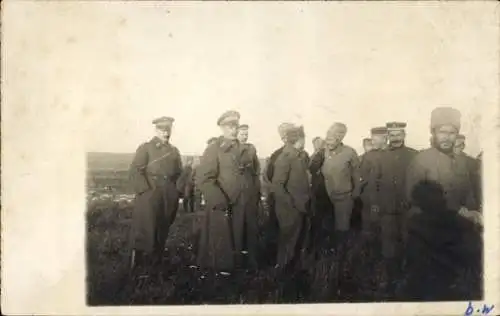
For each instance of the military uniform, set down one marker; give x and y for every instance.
(370, 173)
(153, 174)
(393, 204)
(292, 192)
(225, 177)
(449, 171)
(443, 247)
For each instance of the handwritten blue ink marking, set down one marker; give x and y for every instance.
(485, 311)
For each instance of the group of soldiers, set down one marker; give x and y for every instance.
(421, 210)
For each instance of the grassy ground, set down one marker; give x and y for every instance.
(175, 282)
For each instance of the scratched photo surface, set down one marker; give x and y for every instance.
(187, 154)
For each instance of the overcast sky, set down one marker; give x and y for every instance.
(312, 64)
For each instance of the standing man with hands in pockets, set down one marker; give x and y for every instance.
(153, 173)
(224, 176)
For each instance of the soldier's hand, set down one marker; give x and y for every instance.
(374, 208)
(221, 207)
(463, 211)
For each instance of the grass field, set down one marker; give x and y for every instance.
(109, 281)
(174, 281)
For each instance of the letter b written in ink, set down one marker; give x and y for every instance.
(470, 310)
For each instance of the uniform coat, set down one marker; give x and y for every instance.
(392, 199)
(340, 169)
(225, 177)
(290, 184)
(475, 175)
(370, 173)
(448, 170)
(153, 173)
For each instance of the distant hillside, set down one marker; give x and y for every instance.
(118, 161)
(109, 161)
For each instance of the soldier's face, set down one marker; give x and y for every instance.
(230, 130)
(396, 138)
(243, 136)
(445, 137)
(163, 134)
(379, 141)
(459, 146)
(300, 144)
(335, 137)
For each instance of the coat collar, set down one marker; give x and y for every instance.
(158, 143)
(289, 149)
(227, 144)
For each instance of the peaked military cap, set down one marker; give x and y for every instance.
(445, 116)
(228, 117)
(163, 122)
(395, 125)
(243, 126)
(379, 130)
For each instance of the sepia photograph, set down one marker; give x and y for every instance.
(274, 153)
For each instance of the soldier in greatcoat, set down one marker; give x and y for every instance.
(391, 200)
(153, 173)
(243, 139)
(367, 147)
(443, 247)
(225, 177)
(472, 165)
(250, 218)
(273, 225)
(370, 173)
(290, 185)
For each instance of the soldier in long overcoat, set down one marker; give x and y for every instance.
(225, 177)
(272, 228)
(391, 200)
(153, 173)
(290, 185)
(370, 180)
(438, 180)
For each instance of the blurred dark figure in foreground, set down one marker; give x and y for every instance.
(443, 250)
(153, 173)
